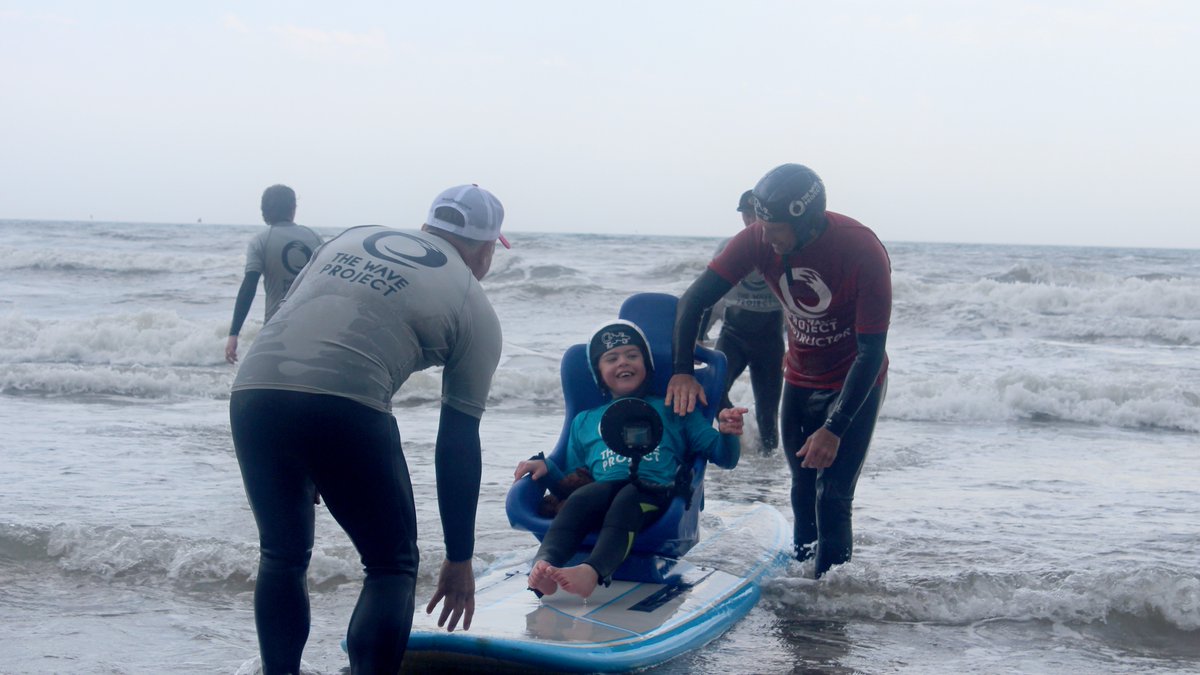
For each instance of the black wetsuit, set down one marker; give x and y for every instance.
(836, 292)
(755, 339)
(824, 497)
(311, 412)
(283, 440)
(617, 508)
(752, 336)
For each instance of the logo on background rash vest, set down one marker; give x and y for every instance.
(754, 284)
(295, 256)
(819, 292)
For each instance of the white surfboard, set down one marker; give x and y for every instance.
(625, 626)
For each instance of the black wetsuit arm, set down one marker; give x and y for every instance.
(458, 463)
(704, 292)
(245, 298)
(859, 381)
(705, 324)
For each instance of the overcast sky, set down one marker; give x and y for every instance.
(987, 121)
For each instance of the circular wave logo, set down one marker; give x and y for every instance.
(295, 256)
(384, 245)
(819, 292)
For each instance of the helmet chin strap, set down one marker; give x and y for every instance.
(807, 233)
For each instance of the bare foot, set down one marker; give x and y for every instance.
(540, 579)
(580, 579)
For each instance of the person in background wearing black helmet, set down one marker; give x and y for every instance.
(752, 335)
(833, 276)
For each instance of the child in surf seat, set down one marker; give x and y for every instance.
(621, 364)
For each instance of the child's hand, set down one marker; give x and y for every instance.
(535, 468)
(729, 420)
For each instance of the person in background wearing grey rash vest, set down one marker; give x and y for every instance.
(833, 277)
(277, 255)
(311, 414)
(752, 336)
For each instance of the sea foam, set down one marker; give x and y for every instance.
(969, 596)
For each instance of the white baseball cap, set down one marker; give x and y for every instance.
(468, 211)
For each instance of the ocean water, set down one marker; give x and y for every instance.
(1031, 502)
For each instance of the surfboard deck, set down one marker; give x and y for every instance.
(625, 626)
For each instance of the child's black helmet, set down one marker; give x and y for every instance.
(616, 334)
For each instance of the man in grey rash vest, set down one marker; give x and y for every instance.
(833, 277)
(277, 255)
(311, 414)
(752, 335)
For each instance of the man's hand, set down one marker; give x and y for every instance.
(456, 584)
(536, 468)
(682, 392)
(819, 450)
(231, 349)
(729, 420)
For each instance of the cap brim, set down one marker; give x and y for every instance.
(503, 241)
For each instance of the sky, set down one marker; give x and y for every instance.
(1023, 122)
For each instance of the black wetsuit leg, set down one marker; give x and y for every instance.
(616, 508)
(289, 445)
(280, 493)
(733, 345)
(822, 499)
(581, 513)
(766, 376)
(755, 339)
(631, 511)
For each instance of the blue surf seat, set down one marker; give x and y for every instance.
(678, 529)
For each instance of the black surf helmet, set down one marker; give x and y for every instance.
(791, 193)
(746, 202)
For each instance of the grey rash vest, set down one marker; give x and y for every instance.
(373, 306)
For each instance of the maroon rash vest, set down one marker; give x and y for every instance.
(836, 287)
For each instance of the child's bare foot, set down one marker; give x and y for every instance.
(540, 579)
(580, 579)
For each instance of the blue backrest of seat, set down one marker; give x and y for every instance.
(654, 313)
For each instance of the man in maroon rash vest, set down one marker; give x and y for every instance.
(833, 277)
